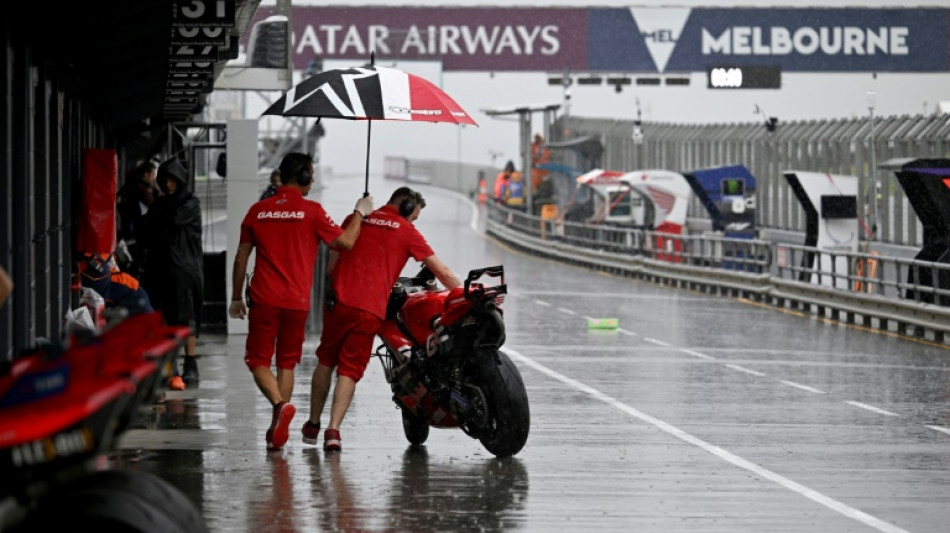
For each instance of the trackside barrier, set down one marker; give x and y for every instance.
(756, 270)
(838, 146)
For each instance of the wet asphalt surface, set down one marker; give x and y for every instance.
(700, 413)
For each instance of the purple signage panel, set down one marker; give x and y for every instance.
(816, 40)
(473, 39)
(636, 39)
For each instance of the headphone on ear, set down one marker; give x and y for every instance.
(303, 175)
(408, 204)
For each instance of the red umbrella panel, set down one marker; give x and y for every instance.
(409, 97)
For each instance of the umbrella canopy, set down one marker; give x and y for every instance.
(369, 93)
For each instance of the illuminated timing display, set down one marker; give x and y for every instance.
(747, 77)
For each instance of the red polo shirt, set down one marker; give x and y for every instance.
(364, 276)
(286, 229)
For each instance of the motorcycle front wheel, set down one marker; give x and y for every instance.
(415, 427)
(506, 402)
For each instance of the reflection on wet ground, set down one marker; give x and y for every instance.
(699, 413)
(490, 491)
(169, 414)
(378, 482)
(310, 490)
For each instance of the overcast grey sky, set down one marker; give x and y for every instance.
(841, 96)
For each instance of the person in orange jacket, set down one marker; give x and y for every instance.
(539, 155)
(502, 182)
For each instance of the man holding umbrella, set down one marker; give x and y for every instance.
(367, 93)
(287, 230)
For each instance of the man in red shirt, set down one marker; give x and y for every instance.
(287, 230)
(362, 279)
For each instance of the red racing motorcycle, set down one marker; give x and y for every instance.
(440, 353)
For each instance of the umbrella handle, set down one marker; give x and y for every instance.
(369, 131)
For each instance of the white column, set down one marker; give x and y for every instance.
(242, 191)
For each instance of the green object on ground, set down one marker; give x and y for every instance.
(603, 323)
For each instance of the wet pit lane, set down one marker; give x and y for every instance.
(700, 413)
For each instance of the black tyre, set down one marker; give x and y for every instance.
(98, 509)
(121, 501)
(508, 417)
(161, 493)
(415, 427)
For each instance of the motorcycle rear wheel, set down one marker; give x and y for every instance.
(415, 427)
(508, 415)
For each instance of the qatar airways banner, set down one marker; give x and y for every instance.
(648, 40)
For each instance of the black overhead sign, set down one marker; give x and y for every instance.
(203, 13)
(199, 37)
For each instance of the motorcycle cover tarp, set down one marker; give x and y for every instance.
(96, 231)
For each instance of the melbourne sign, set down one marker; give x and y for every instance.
(650, 40)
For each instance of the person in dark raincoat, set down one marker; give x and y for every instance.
(173, 275)
(135, 198)
(271, 189)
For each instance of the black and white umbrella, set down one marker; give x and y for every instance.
(370, 93)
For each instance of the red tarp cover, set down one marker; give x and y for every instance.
(96, 216)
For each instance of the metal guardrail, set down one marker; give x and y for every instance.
(891, 294)
(889, 277)
(839, 146)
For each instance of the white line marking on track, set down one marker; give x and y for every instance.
(877, 410)
(746, 370)
(542, 302)
(940, 429)
(811, 494)
(473, 222)
(654, 341)
(802, 387)
(624, 295)
(566, 311)
(697, 354)
(625, 332)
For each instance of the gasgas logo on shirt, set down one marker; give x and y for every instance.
(382, 222)
(281, 215)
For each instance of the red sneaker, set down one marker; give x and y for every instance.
(331, 440)
(176, 383)
(310, 432)
(279, 430)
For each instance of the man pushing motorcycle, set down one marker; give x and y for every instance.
(286, 229)
(362, 279)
